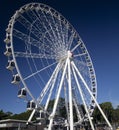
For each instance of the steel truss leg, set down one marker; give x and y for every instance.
(66, 105)
(83, 99)
(51, 89)
(42, 94)
(57, 98)
(70, 96)
(92, 95)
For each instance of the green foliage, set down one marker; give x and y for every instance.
(107, 109)
(115, 116)
(50, 106)
(4, 115)
(111, 113)
(21, 116)
(61, 110)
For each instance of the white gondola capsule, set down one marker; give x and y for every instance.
(8, 51)
(31, 105)
(11, 20)
(10, 65)
(22, 93)
(22, 10)
(15, 79)
(94, 89)
(7, 40)
(92, 107)
(41, 115)
(8, 30)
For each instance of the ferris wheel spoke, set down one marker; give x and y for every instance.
(53, 21)
(82, 97)
(33, 74)
(82, 66)
(47, 86)
(45, 22)
(77, 111)
(55, 26)
(78, 44)
(65, 31)
(24, 37)
(30, 40)
(52, 87)
(58, 95)
(81, 63)
(62, 28)
(64, 25)
(60, 33)
(33, 55)
(84, 82)
(81, 77)
(71, 38)
(32, 15)
(92, 97)
(46, 47)
(39, 23)
(28, 25)
(78, 55)
(38, 28)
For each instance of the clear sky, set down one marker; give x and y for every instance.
(97, 22)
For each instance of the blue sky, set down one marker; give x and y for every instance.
(97, 22)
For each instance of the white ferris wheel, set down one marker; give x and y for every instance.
(49, 61)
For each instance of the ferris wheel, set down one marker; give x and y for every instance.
(49, 61)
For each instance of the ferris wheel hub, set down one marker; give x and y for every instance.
(70, 54)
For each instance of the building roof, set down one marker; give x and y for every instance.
(12, 123)
(12, 120)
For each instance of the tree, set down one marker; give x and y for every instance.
(4, 115)
(117, 107)
(107, 109)
(61, 110)
(115, 116)
(21, 116)
(111, 113)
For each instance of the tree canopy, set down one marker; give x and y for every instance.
(111, 113)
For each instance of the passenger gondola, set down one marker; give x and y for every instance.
(8, 51)
(10, 65)
(15, 79)
(40, 115)
(22, 93)
(31, 105)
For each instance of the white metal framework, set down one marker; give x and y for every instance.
(48, 61)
